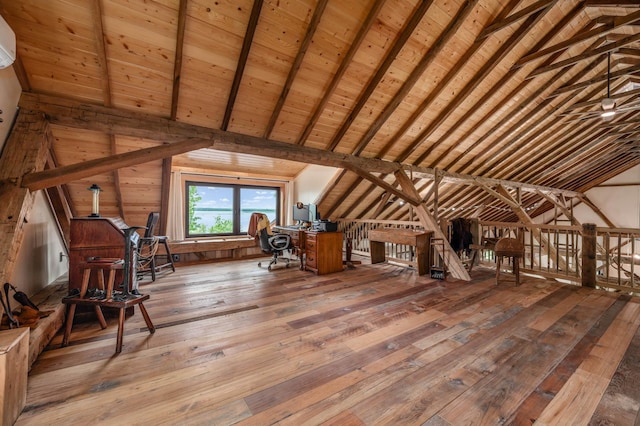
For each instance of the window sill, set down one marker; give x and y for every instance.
(226, 243)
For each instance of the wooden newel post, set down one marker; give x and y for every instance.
(589, 255)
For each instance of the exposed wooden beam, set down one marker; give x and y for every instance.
(242, 62)
(295, 67)
(116, 179)
(177, 61)
(382, 204)
(451, 260)
(390, 57)
(597, 210)
(25, 150)
(502, 194)
(101, 51)
(409, 198)
(164, 198)
(497, 88)
(346, 61)
(579, 38)
(472, 84)
(135, 124)
(521, 14)
(622, 73)
(568, 62)
(416, 74)
(65, 174)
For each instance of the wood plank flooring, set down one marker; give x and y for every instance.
(373, 345)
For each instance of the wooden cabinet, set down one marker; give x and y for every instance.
(323, 252)
(14, 366)
(95, 237)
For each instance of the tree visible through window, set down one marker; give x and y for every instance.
(220, 209)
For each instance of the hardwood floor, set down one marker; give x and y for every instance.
(236, 344)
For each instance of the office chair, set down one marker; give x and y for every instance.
(269, 242)
(148, 249)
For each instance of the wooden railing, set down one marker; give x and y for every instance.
(357, 232)
(618, 258)
(552, 251)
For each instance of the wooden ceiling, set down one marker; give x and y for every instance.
(497, 89)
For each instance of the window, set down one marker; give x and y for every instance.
(225, 209)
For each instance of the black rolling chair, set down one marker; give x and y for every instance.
(148, 250)
(270, 242)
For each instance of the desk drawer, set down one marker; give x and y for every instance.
(312, 252)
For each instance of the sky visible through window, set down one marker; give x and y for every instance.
(217, 202)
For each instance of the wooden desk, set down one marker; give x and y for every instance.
(320, 252)
(420, 240)
(323, 251)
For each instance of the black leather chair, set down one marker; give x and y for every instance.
(147, 250)
(275, 244)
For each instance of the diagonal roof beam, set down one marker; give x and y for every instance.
(604, 49)
(490, 93)
(295, 67)
(346, 61)
(524, 13)
(416, 74)
(579, 38)
(242, 62)
(177, 62)
(474, 82)
(408, 29)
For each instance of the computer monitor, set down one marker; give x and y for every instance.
(313, 213)
(301, 213)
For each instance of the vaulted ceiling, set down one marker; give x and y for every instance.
(499, 89)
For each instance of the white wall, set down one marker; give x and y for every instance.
(621, 204)
(310, 183)
(38, 262)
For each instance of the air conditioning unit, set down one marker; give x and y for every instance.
(7, 44)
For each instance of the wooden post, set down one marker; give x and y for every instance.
(589, 255)
(25, 151)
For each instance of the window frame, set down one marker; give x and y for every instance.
(237, 185)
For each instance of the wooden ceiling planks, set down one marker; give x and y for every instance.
(478, 88)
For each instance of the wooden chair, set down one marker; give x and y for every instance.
(150, 242)
(104, 299)
(509, 247)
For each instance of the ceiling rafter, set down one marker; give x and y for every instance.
(295, 67)
(602, 78)
(417, 73)
(511, 19)
(346, 61)
(604, 49)
(381, 70)
(579, 38)
(496, 89)
(521, 130)
(177, 61)
(101, 54)
(473, 84)
(242, 62)
(424, 105)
